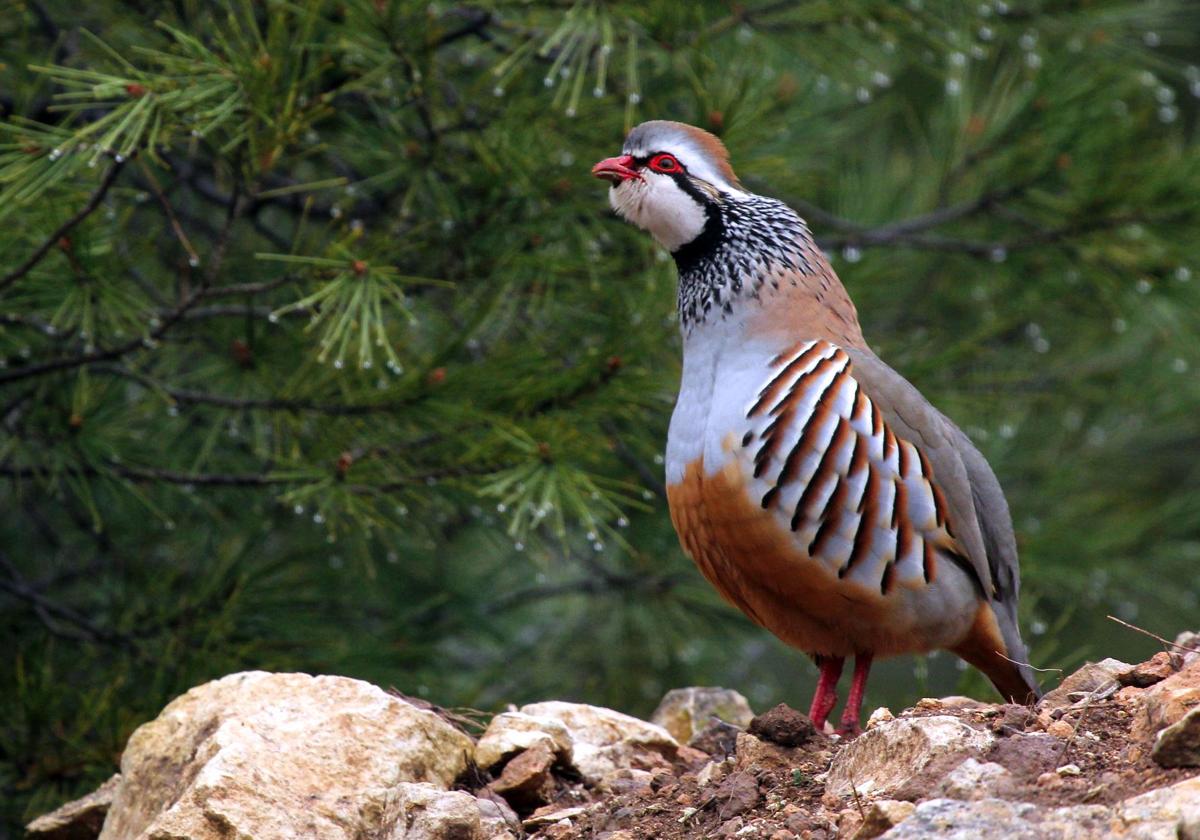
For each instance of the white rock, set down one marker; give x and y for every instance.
(975, 779)
(514, 732)
(81, 818)
(881, 715)
(1173, 806)
(880, 760)
(421, 811)
(279, 755)
(604, 740)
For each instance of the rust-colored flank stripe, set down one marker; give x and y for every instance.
(900, 503)
(771, 392)
(864, 537)
(829, 516)
(889, 443)
(903, 470)
(939, 504)
(786, 410)
(823, 473)
(930, 563)
(806, 444)
(885, 581)
(904, 539)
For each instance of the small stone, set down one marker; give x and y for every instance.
(1093, 678)
(1154, 670)
(1068, 770)
(1012, 719)
(549, 815)
(881, 715)
(685, 712)
(974, 779)
(882, 816)
(1179, 744)
(626, 780)
(1060, 729)
(714, 771)
(737, 794)
(526, 781)
(604, 740)
(509, 733)
(730, 827)
(784, 726)
(782, 834)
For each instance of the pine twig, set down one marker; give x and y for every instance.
(63, 229)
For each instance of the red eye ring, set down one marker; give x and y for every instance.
(665, 163)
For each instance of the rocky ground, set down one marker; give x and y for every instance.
(1114, 751)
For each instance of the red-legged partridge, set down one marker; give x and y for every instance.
(813, 486)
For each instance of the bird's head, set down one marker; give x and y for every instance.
(669, 179)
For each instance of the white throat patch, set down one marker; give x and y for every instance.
(656, 204)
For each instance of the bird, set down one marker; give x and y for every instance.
(813, 486)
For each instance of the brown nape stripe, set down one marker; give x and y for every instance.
(823, 472)
(771, 391)
(886, 580)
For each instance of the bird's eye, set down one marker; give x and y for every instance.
(665, 163)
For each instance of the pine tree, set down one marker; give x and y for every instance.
(320, 350)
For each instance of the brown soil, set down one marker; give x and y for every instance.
(778, 787)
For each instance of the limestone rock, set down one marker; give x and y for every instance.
(78, 820)
(604, 740)
(511, 732)
(1179, 744)
(421, 811)
(1170, 807)
(975, 779)
(883, 759)
(1166, 702)
(257, 754)
(1092, 678)
(686, 712)
(951, 819)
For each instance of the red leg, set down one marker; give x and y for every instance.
(825, 697)
(858, 687)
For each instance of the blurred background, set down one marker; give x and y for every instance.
(320, 349)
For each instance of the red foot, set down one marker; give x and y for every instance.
(858, 687)
(825, 697)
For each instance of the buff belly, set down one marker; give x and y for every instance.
(755, 564)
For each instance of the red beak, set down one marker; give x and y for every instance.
(616, 169)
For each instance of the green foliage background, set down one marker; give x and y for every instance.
(320, 350)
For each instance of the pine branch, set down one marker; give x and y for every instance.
(97, 196)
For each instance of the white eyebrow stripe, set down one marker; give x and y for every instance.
(693, 159)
